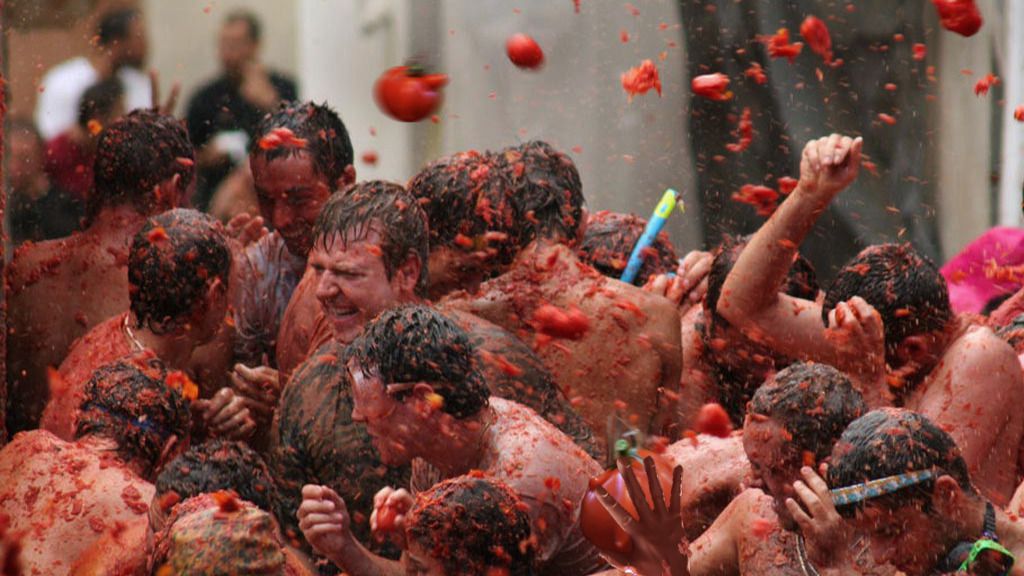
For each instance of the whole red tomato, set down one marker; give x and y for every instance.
(598, 526)
(524, 51)
(405, 93)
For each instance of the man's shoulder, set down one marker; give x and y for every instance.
(34, 261)
(317, 377)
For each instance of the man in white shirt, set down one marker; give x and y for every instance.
(121, 50)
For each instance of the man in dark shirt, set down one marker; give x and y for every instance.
(223, 114)
(38, 210)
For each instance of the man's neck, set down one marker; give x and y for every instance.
(459, 457)
(122, 220)
(174, 350)
(545, 254)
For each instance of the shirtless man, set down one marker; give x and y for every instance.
(417, 390)
(889, 325)
(59, 289)
(368, 250)
(64, 496)
(604, 341)
(792, 422)
(178, 273)
(924, 521)
(203, 469)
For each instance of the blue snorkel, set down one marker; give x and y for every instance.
(654, 226)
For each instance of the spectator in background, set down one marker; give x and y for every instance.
(120, 52)
(69, 156)
(223, 114)
(38, 211)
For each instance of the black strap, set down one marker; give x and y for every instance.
(989, 528)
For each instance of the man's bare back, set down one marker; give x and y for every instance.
(629, 351)
(63, 497)
(57, 291)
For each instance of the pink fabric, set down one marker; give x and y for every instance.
(969, 273)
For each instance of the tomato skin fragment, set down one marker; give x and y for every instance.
(779, 46)
(756, 73)
(982, 86)
(960, 16)
(816, 34)
(712, 86)
(640, 79)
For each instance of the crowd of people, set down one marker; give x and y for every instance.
(447, 376)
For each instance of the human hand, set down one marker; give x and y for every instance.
(259, 389)
(226, 415)
(388, 517)
(256, 86)
(172, 98)
(325, 522)
(657, 532)
(828, 165)
(825, 533)
(858, 334)
(690, 283)
(246, 228)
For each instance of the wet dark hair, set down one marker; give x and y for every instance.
(327, 140)
(469, 194)
(386, 208)
(131, 403)
(114, 26)
(802, 282)
(473, 525)
(904, 287)
(221, 465)
(134, 155)
(251, 21)
(1013, 333)
(813, 402)
(99, 100)
(891, 441)
(546, 192)
(609, 241)
(172, 262)
(418, 344)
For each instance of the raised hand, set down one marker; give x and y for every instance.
(690, 283)
(858, 334)
(657, 532)
(324, 521)
(226, 415)
(388, 517)
(828, 165)
(247, 228)
(259, 389)
(172, 98)
(825, 532)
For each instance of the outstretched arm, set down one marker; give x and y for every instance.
(324, 520)
(750, 296)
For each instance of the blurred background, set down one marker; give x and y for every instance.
(948, 168)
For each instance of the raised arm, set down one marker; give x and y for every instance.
(750, 296)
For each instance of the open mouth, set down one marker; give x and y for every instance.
(342, 313)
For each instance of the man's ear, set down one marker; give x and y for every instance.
(169, 451)
(948, 497)
(407, 276)
(170, 194)
(347, 178)
(912, 349)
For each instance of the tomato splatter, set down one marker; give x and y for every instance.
(746, 133)
(570, 324)
(370, 158)
(714, 420)
(762, 528)
(640, 79)
(779, 45)
(281, 137)
(761, 198)
(624, 36)
(157, 234)
(186, 162)
(787, 185)
(712, 86)
(982, 86)
(180, 381)
(887, 118)
(1018, 113)
(920, 52)
(960, 16)
(94, 126)
(756, 73)
(816, 34)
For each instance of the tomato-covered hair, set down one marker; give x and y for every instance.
(546, 192)
(383, 207)
(326, 138)
(133, 156)
(892, 441)
(220, 465)
(904, 287)
(172, 262)
(813, 402)
(609, 241)
(130, 402)
(473, 525)
(418, 344)
(469, 194)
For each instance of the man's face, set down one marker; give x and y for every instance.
(352, 283)
(904, 537)
(418, 561)
(452, 269)
(236, 47)
(291, 195)
(388, 425)
(133, 50)
(773, 460)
